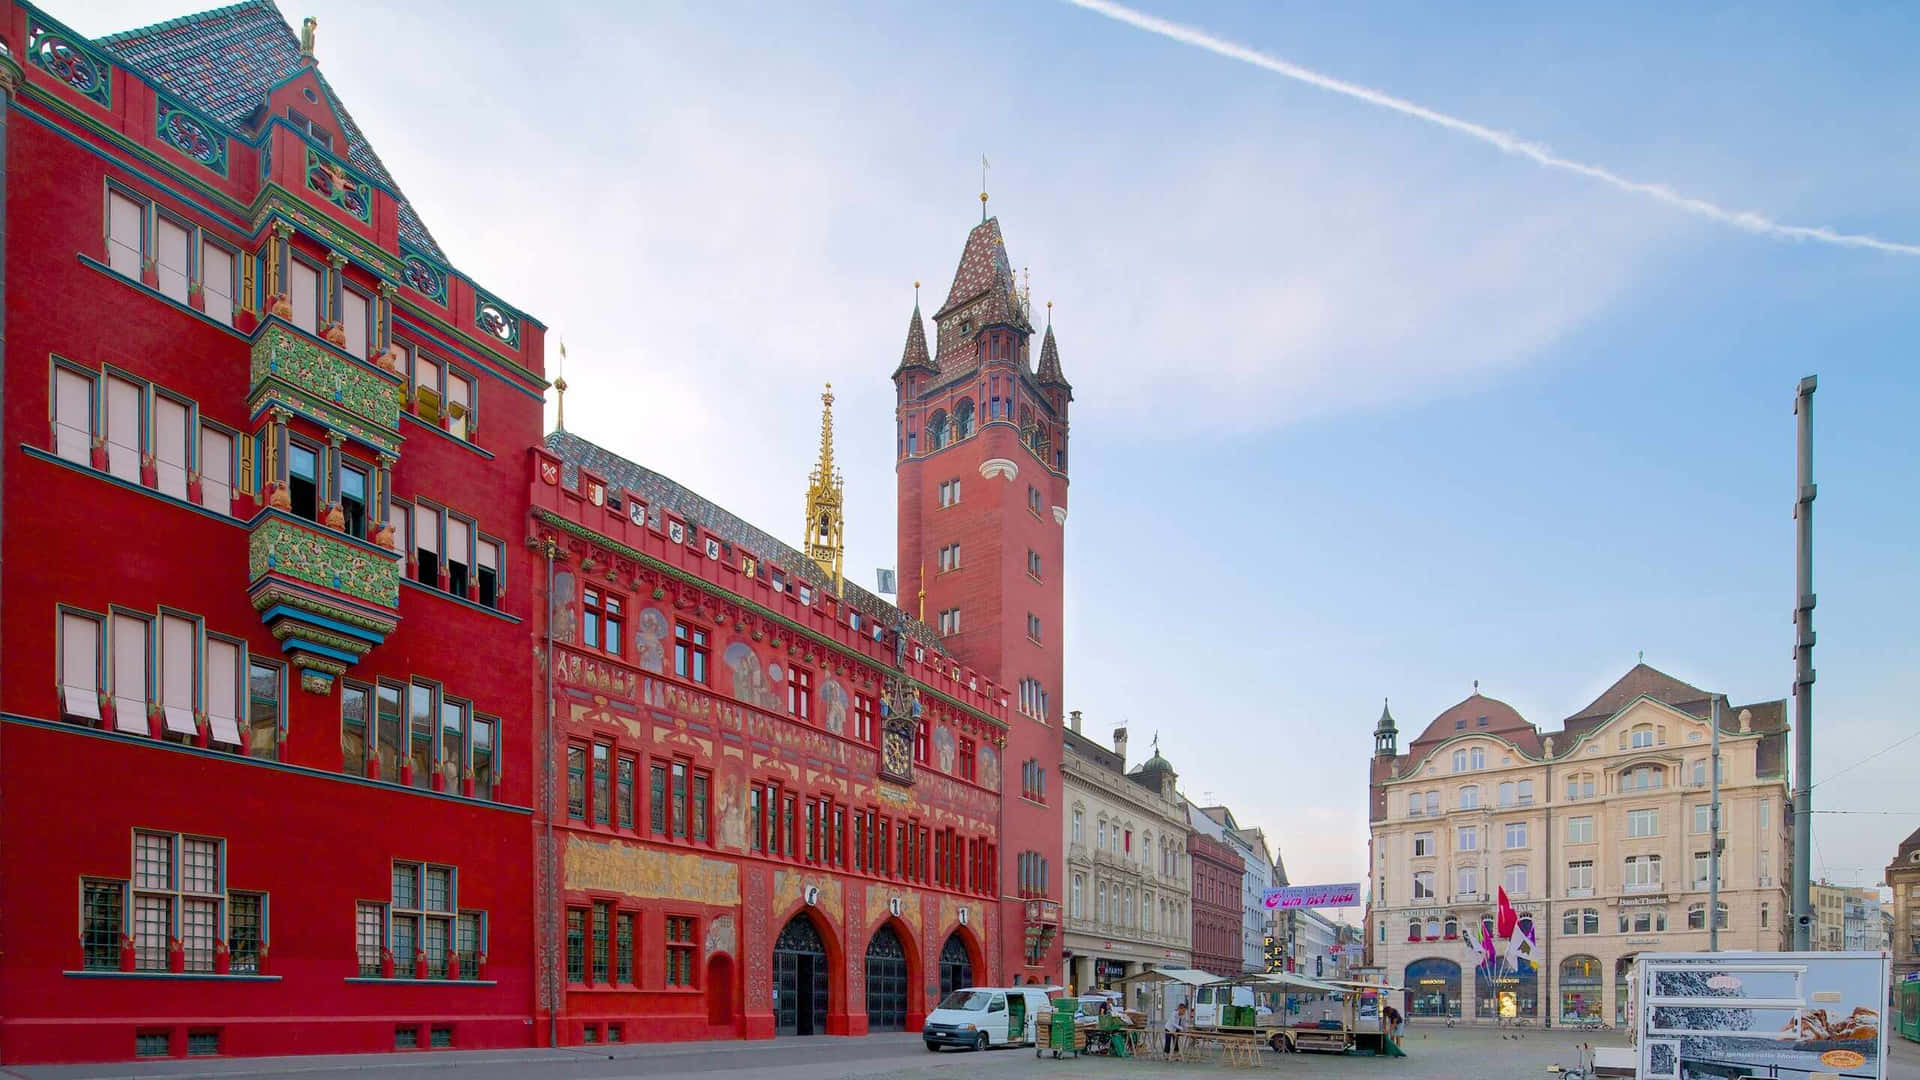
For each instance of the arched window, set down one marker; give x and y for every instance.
(1643, 777)
(1570, 923)
(1506, 793)
(937, 430)
(1452, 928)
(1584, 969)
(1639, 738)
(1433, 929)
(1590, 920)
(1433, 807)
(963, 419)
(1459, 761)
(1477, 757)
(1580, 786)
(1697, 916)
(1413, 930)
(1469, 797)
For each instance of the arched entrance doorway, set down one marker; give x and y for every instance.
(887, 981)
(800, 979)
(1579, 989)
(1433, 989)
(956, 964)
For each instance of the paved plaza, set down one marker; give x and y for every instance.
(1437, 1053)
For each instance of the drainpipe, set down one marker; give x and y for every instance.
(549, 889)
(10, 80)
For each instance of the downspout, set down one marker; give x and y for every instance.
(549, 891)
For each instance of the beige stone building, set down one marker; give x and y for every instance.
(1598, 832)
(1128, 872)
(1903, 876)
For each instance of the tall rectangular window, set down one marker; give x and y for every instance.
(426, 543)
(690, 652)
(179, 675)
(421, 722)
(623, 949)
(170, 257)
(482, 750)
(356, 318)
(602, 783)
(392, 734)
(355, 706)
(266, 685)
(102, 921)
(171, 438)
(577, 782)
(623, 791)
(303, 480)
(130, 673)
(218, 282)
(123, 428)
(700, 813)
(222, 691)
(602, 939)
(123, 234)
(246, 923)
(79, 667)
(657, 799)
(680, 950)
(453, 741)
(576, 945)
(303, 295)
(459, 557)
(353, 500)
(459, 405)
(487, 556)
(72, 415)
(216, 470)
(679, 800)
(863, 710)
(800, 694)
(426, 388)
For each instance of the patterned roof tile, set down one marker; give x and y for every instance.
(225, 60)
(915, 354)
(662, 492)
(1049, 373)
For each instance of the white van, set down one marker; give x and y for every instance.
(982, 1016)
(1207, 1001)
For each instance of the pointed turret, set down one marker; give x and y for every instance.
(915, 355)
(826, 527)
(1049, 373)
(984, 294)
(1386, 735)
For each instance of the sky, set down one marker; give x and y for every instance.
(1365, 408)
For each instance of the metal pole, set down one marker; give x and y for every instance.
(1803, 673)
(549, 888)
(1713, 840)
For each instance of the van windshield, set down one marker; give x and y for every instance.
(966, 1000)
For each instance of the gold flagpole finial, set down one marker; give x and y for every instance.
(560, 390)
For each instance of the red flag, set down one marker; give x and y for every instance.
(1508, 918)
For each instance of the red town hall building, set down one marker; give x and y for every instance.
(399, 726)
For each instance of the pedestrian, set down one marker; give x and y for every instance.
(1173, 1030)
(1393, 1019)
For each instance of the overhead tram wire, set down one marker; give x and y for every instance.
(1889, 747)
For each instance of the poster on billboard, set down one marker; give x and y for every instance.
(1712, 1015)
(1290, 897)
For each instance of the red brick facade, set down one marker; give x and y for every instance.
(1217, 873)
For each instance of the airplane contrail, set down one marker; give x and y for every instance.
(1503, 141)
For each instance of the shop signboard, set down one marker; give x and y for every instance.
(1761, 1014)
(1292, 897)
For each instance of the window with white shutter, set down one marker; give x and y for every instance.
(488, 554)
(216, 470)
(79, 666)
(170, 257)
(223, 691)
(217, 284)
(401, 520)
(170, 445)
(459, 543)
(177, 682)
(426, 543)
(123, 234)
(303, 295)
(426, 388)
(459, 404)
(130, 673)
(123, 429)
(356, 315)
(72, 415)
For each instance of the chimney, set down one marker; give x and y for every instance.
(1120, 744)
(1073, 721)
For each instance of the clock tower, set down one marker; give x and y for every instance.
(981, 450)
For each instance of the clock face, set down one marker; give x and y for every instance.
(898, 759)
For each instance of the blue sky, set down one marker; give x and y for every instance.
(1364, 408)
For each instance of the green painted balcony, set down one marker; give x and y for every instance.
(296, 371)
(328, 597)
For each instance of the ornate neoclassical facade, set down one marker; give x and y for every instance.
(1128, 883)
(1598, 833)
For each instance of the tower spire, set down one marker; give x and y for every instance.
(560, 391)
(826, 528)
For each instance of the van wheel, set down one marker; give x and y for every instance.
(980, 1043)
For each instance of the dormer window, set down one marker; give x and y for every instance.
(310, 129)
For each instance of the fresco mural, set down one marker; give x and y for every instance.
(990, 768)
(650, 640)
(944, 751)
(833, 706)
(751, 683)
(562, 613)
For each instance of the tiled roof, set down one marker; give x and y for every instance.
(1640, 681)
(1049, 373)
(984, 274)
(661, 492)
(1501, 719)
(1910, 844)
(915, 354)
(224, 61)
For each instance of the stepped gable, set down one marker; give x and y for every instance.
(662, 492)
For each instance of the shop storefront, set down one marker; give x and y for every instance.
(1433, 989)
(1508, 996)
(1579, 989)
(1107, 972)
(1622, 970)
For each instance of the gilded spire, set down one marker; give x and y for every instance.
(560, 391)
(825, 543)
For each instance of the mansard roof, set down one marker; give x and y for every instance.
(225, 61)
(1640, 681)
(663, 493)
(1479, 715)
